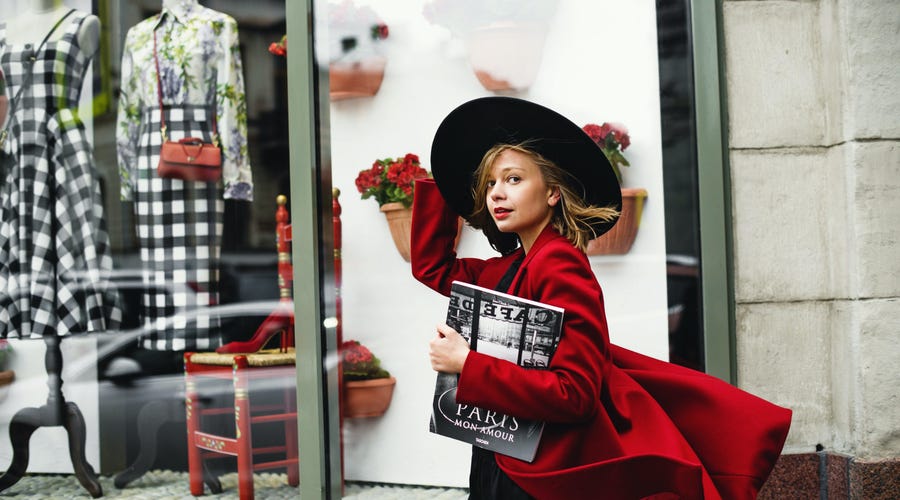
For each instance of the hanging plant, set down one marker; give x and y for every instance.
(391, 180)
(613, 139)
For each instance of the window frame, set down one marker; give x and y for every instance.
(310, 165)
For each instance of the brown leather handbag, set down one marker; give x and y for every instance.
(188, 159)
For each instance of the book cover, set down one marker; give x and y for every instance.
(522, 331)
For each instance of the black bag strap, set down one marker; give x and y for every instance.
(28, 77)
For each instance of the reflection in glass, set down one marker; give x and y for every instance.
(191, 94)
(198, 262)
(676, 90)
(54, 249)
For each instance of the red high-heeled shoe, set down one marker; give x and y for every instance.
(281, 320)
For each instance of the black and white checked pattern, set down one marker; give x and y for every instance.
(54, 248)
(179, 224)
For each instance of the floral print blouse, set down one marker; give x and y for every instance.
(199, 60)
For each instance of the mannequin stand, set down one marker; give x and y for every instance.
(56, 412)
(151, 417)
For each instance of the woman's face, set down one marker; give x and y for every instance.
(518, 199)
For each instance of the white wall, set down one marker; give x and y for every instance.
(599, 64)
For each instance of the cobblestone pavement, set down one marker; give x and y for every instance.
(165, 485)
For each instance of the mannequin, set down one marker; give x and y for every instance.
(182, 89)
(52, 260)
(46, 67)
(39, 17)
(30, 26)
(179, 253)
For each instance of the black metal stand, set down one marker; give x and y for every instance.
(56, 412)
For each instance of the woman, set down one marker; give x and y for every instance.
(618, 424)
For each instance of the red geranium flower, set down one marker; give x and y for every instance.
(379, 31)
(279, 48)
(391, 180)
(612, 138)
(358, 362)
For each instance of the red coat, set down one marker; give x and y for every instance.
(619, 425)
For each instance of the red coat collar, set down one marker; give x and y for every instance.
(548, 234)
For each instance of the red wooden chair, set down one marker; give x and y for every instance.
(248, 366)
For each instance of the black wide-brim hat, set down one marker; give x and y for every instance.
(474, 127)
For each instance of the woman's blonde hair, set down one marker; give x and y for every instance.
(572, 218)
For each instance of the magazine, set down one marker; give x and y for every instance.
(508, 327)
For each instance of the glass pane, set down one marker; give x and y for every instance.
(396, 69)
(144, 220)
(124, 271)
(676, 91)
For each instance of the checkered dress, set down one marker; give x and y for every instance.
(54, 248)
(178, 224)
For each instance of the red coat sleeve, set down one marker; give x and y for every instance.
(569, 390)
(434, 229)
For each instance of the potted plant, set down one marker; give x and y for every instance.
(355, 64)
(5, 349)
(613, 139)
(504, 38)
(391, 181)
(368, 388)
(6, 376)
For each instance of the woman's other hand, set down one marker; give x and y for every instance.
(448, 350)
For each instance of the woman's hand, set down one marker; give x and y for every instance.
(448, 350)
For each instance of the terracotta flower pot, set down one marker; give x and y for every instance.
(6, 378)
(399, 220)
(506, 56)
(367, 398)
(356, 79)
(619, 239)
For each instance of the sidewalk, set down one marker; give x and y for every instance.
(165, 485)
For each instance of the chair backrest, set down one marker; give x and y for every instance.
(336, 221)
(283, 238)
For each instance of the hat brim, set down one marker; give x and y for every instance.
(474, 127)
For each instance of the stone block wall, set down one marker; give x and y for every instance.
(813, 100)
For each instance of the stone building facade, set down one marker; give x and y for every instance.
(813, 105)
